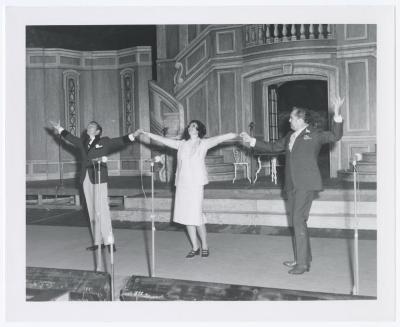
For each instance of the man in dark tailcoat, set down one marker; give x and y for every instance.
(93, 150)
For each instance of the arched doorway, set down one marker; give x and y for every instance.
(273, 102)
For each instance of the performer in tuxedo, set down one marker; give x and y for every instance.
(302, 175)
(92, 146)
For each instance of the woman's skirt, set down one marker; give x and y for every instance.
(188, 208)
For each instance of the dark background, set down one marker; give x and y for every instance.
(93, 38)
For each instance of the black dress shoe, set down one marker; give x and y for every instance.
(92, 248)
(299, 269)
(289, 264)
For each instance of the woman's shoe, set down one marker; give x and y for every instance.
(205, 253)
(192, 253)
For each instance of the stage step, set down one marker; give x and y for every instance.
(366, 169)
(369, 157)
(265, 212)
(214, 159)
(220, 168)
(347, 176)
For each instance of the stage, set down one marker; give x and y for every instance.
(243, 255)
(247, 232)
(226, 203)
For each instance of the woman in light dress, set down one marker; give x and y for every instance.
(190, 178)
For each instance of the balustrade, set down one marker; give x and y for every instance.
(276, 33)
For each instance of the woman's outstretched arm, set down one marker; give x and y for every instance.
(174, 144)
(215, 140)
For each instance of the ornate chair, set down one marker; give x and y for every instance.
(270, 167)
(240, 161)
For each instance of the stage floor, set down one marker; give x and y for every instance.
(236, 258)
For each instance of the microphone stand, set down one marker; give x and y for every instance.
(98, 217)
(355, 264)
(60, 182)
(110, 239)
(251, 126)
(164, 131)
(152, 216)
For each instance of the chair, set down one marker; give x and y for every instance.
(240, 161)
(270, 166)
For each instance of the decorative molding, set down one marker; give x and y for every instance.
(348, 53)
(218, 35)
(128, 100)
(71, 101)
(287, 69)
(362, 37)
(365, 62)
(203, 47)
(178, 74)
(88, 60)
(215, 63)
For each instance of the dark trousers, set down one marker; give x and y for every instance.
(299, 205)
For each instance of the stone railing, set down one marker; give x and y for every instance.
(276, 33)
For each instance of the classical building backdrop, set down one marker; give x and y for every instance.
(227, 76)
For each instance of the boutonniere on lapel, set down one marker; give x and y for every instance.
(98, 146)
(306, 136)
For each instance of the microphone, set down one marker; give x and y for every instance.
(100, 159)
(154, 160)
(356, 157)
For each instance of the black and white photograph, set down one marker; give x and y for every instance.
(212, 162)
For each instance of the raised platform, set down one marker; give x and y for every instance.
(241, 203)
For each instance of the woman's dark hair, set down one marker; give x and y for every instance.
(99, 128)
(200, 128)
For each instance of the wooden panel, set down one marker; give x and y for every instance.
(197, 105)
(43, 59)
(106, 101)
(258, 110)
(227, 101)
(70, 60)
(127, 59)
(357, 95)
(225, 42)
(355, 31)
(172, 36)
(100, 61)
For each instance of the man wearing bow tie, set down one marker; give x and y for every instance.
(92, 146)
(302, 175)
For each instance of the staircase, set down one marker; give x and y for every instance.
(218, 170)
(366, 169)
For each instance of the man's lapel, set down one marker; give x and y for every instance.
(93, 144)
(300, 137)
